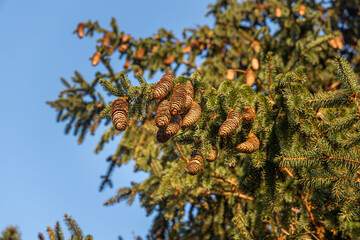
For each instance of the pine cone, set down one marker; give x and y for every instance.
(161, 136)
(192, 116)
(255, 63)
(177, 105)
(231, 123)
(163, 87)
(106, 39)
(126, 38)
(80, 30)
(123, 48)
(250, 77)
(230, 74)
(140, 54)
(256, 46)
(212, 156)
(111, 50)
(174, 125)
(169, 60)
(189, 95)
(249, 115)
(120, 113)
(250, 146)
(186, 49)
(332, 43)
(302, 10)
(163, 116)
(339, 43)
(278, 12)
(195, 165)
(96, 58)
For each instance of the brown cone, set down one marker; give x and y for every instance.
(174, 126)
(80, 30)
(256, 46)
(120, 113)
(96, 58)
(169, 60)
(250, 77)
(339, 43)
(186, 49)
(123, 48)
(126, 38)
(255, 63)
(250, 146)
(106, 39)
(177, 104)
(111, 50)
(332, 43)
(140, 54)
(230, 74)
(231, 124)
(127, 64)
(163, 86)
(161, 136)
(249, 115)
(189, 95)
(278, 12)
(192, 116)
(195, 165)
(163, 116)
(212, 156)
(302, 10)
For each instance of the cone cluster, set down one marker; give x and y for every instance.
(231, 123)
(195, 165)
(249, 146)
(120, 113)
(248, 115)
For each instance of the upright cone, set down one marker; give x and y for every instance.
(163, 87)
(163, 116)
(248, 115)
(119, 114)
(192, 116)
(177, 104)
(231, 123)
(196, 164)
(189, 95)
(250, 146)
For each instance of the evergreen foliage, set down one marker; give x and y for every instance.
(299, 176)
(10, 233)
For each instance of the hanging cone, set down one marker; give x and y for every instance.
(202, 46)
(163, 116)
(177, 104)
(174, 125)
(250, 146)
(163, 87)
(249, 115)
(302, 10)
(256, 46)
(161, 136)
(127, 64)
(250, 77)
(96, 58)
(80, 30)
(195, 165)
(169, 60)
(119, 114)
(106, 39)
(212, 156)
(231, 123)
(278, 13)
(230, 74)
(186, 49)
(140, 54)
(255, 63)
(111, 50)
(126, 38)
(192, 116)
(332, 43)
(123, 47)
(189, 95)
(339, 42)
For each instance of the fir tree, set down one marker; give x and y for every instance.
(10, 233)
(279, 110)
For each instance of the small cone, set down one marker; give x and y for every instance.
(186, 49)
(195, 165)
(212, 156)
(302, 10)
(169, 60)
(123, 48)
(250, 77)
(278, 12)
(119, 114)
(80, 30)
(255, 63)
(250, 146)
(202, 46)
(177, 104)
(231, 123)
(189, 95)
(230, 74)
(174, 125)
(153, 49)
(127, 64)
(332, 43)
(256, 46)
(140, 54)
(249, 115)
(106, 39)
(163, 87)
(96, 58)
(192, 116)
(339, 43)
(111, 50)
(163, 116)
(161, 136)
(126, 38)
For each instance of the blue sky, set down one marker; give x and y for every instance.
(43, 172)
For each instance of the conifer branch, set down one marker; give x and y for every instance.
(234, 194)
(73, 226)
(50, 232)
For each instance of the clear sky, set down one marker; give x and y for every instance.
(43, 172)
